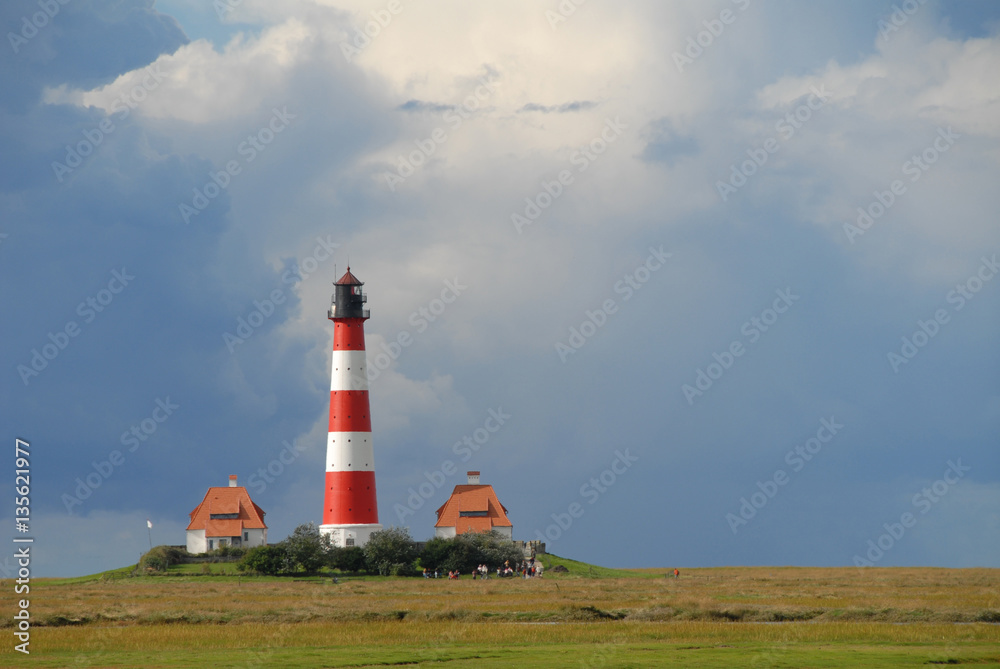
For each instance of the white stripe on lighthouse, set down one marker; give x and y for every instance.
(349, 452)
(349, 371)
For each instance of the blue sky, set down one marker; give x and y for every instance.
(649, 213)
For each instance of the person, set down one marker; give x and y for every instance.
(435, 572)
(677, 573)
(427, 574)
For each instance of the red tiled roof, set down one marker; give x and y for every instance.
(229, 504)
(348, 279)
(473, 525)
(473, 498)
(224, 528)
(227, 500)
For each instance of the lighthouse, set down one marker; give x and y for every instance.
(350, 509)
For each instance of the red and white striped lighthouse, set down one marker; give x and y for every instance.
(350, 509)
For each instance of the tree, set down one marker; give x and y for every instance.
(267, 560)
(436, 553)
(467, 551)
(390, 551)
(349, 558)
(305, 548)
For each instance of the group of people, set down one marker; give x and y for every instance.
(436, 574)
(525, 569)
(528, 568)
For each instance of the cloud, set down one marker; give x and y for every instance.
(666, 145)
(566, 107)
(421, 106)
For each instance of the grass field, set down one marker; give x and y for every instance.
(588, 617)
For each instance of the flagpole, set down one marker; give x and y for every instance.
(149, 530)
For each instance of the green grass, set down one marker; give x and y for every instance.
(583, 570)
(492, 645)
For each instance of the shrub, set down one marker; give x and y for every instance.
(161, 557)
(351, 558)
(467, 551)
(267, 560)
(388, 548)
(305, 548)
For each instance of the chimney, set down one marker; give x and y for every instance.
(232, 480)
(473, 478)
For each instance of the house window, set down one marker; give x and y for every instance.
(472, 514)
(211, 544)
(246, 536)
(349, 542)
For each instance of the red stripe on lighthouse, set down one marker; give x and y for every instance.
(350, 499)
(349, 411)
(349, 334)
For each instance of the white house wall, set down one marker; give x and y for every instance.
(196, 541)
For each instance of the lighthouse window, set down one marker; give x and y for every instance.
(472, 514)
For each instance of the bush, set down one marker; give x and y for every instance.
(391, 549)
(267, 560)
(467, 551)
(161, 557)
(305, 548)
(230, 552)
(436, 553)
(351, 558)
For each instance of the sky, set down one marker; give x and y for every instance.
(690, 283)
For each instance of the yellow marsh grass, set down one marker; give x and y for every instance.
(180, 637)
(748, 594)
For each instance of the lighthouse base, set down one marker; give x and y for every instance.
(343, 536)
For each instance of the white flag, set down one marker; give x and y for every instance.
(149, 524)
